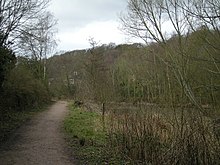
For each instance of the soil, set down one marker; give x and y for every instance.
(40, 141)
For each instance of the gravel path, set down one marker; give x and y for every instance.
(40, 141)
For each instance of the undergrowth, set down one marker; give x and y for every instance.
(142, 136)
(88, 138)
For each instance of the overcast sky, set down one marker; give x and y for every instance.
(79, 20)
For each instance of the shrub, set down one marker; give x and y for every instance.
(22, 90)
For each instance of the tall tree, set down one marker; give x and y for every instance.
(148, 19)
(15, 14)
(37, 41)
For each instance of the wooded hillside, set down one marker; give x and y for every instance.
(148, 73)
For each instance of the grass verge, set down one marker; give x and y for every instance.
(87, 137)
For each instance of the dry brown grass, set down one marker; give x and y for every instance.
(148, 135)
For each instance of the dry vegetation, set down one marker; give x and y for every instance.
(151, 136)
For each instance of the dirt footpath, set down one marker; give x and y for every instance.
(40, 141)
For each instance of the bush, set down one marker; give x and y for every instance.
(22, 90)
(7, 62)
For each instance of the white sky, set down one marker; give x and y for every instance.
(79, 20)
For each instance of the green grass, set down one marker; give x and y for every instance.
(84, 125)
(87, 137)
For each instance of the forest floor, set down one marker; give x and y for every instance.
(40, 141)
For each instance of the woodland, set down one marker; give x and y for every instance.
(159, 100)
(150, 112)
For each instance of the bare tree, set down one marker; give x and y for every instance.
(205, 15)
(14, 14)
(144, 20)
(147, 19)
(38, 39)
(203, 12)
